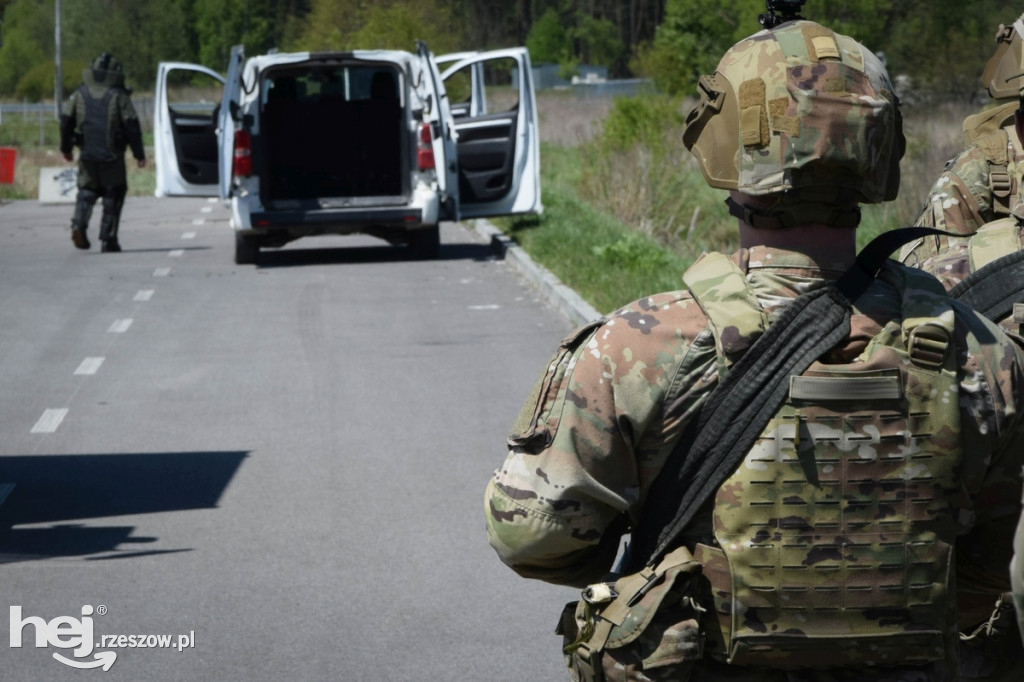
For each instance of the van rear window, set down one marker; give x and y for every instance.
(332, 83)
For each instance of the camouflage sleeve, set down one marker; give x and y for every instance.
(960, 201)
(588, 442)
(992, 431)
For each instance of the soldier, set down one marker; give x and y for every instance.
(981, 183)
(872, 515)
(100, 119)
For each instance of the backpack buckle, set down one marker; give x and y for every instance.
(927, 345)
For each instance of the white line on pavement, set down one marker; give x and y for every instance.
(189, 235)
(143, 295)
(198, 221)
(176, 253)
(120, 326)
(89, 366)
(50, 420)
(161, 272)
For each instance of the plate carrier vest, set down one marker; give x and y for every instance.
(835, 535)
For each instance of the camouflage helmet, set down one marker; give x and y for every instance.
(1004, 68)
(799, 112)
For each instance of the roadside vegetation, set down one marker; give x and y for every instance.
(626, 209)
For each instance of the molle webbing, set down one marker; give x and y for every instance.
(835, 535)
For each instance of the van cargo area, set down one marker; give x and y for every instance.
(333, 130)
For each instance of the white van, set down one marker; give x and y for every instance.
(366, 142)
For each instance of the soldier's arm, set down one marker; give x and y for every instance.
(132, 129)
(67, 127)
(585, 448)
(959, 201)
(992, 404)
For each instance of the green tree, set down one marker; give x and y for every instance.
(352, 24)
(28, 39)
(692, 38)
(598, 40)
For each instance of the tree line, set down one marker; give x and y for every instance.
(941, 45)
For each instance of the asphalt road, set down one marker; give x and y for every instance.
(281, 467)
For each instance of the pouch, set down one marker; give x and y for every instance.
(644, 627)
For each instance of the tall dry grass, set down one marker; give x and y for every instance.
(658, 190)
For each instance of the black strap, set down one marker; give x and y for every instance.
(995, 287)
(738, 409)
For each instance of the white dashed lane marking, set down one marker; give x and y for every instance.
(198, 221)
(89, 366)
(143, 295)
(176, 253)
(50, 420)
(161, 272)
(120, 326)
(189, 235)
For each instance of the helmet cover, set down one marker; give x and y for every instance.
(799, 107)
(1003, 70)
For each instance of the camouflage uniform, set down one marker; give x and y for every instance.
(962, 256)
(978, 186)
(802, 125)
(982, 182)
(619, 393)
(104, 132)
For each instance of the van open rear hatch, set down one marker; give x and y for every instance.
(333, 134)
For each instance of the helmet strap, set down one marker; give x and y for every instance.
(784, 215)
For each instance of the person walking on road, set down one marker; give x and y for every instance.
(100, 119)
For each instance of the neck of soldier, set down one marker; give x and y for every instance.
(819, 241)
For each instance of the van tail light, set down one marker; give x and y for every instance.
(243, 154)
(425, 150)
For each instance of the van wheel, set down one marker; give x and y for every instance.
(426, 243)
(247, 250)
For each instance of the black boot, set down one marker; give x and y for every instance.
(79, 239)
(110, 246)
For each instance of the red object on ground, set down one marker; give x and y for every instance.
(8, 158)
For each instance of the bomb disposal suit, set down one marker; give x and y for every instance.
(100, 119)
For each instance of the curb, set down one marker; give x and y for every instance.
(565, 300)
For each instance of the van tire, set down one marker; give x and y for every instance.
(426, 243)
(247, 250)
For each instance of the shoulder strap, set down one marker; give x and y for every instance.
(993, 289)
(741, 405)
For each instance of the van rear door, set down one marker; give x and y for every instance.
(185, 112)
(227, 116)
(491, 97)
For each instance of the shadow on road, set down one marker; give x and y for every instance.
(271, 258)
(56, 489)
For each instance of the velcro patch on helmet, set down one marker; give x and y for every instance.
(782, 123)
(821, 43)
(753, 113)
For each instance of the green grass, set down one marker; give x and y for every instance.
(604, 260)
(36, 140)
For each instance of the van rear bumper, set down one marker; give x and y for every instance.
(327, 221)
